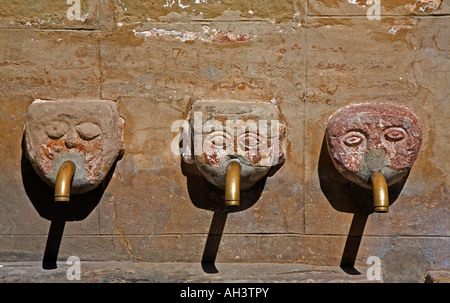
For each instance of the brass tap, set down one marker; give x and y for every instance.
(63, 181)
(232, 185)
(380, 192)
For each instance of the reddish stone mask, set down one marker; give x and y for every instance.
(365, 138)
(89, 133)
(225, 130)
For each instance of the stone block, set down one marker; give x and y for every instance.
(49, 64)
(190, 10)
(49, 14)
(372, 8)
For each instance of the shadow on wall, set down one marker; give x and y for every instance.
(345, 196)
(207, 196)
(41, 196)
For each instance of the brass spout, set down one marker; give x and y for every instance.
(380, 192)
(232, 185)
(63, 181)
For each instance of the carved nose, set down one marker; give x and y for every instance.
(375, 159)
(71, 138)
(374, 143)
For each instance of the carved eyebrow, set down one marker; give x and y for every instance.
(353, 130)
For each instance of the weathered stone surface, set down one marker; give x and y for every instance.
(365, 138)
(178, 272)
(184, 206)
(180, 62)
(219, 131)
(438, 276)
(420, 253)
(309, 62)
(27, 70)
(339, 75)
(276, 11)
(77, 14)
(87, 132)
(195, 70)
(384, 7)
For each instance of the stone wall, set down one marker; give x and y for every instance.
(310, 57)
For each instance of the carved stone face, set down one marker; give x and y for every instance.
(89, 133)
(365, 138)
(251, 132)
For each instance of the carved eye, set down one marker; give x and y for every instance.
(56, 130)
(88, 130)
(353, 139)
(395, 134)
(249, 141)
(217, 140)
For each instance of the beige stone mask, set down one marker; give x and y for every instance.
(224, 130)
(89, 133)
